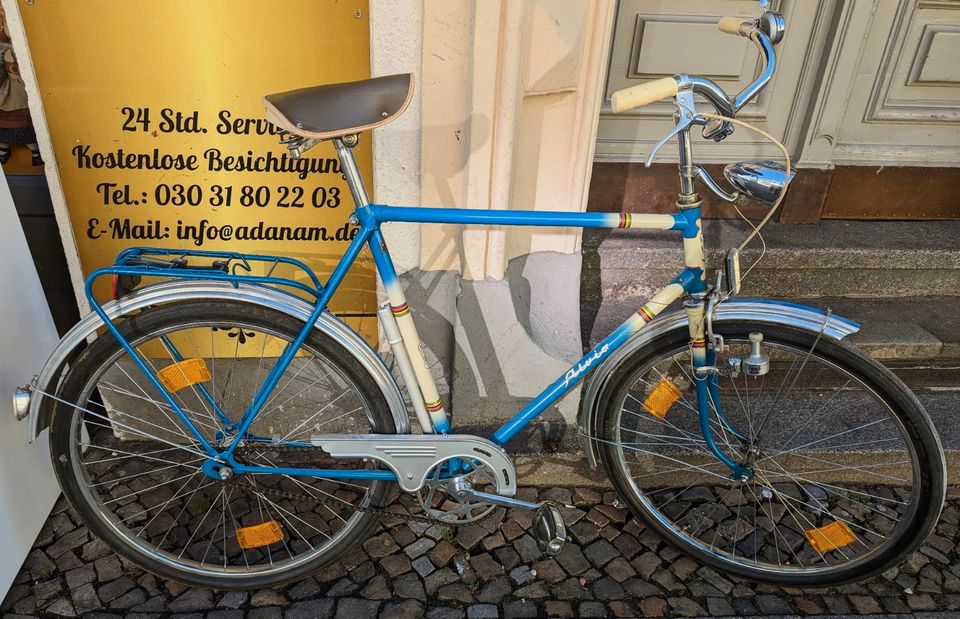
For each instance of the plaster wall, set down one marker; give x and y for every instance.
(508, 99)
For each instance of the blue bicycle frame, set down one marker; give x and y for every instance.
(369, 217)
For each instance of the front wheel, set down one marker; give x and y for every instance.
(133, 470)
(849, 474)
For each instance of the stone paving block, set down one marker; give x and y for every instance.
(129, 599)
(572, 559)
(773, 605)
(486, 566)
(410, 586)
(401, 610)
(719, 607)
(62, 607)
(570, 589)
(396, 564)
(422, 566)
(115, 589)
(482, 611)
(455, 592)
(549, 570)
(653, 607)
(507, 557)
(607, 589)
(352, 608)
(445, 612)
(534, 591)
(419, 547)
(85, 599)
(511, 530)
(470, 535)
(921, 602)
(343, 587)
(494, 591)
(520, 609)
(554, 608)
(744, 608)
(380, 546)
(685, 607)
(592, 609)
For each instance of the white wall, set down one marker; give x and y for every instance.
(28, 488)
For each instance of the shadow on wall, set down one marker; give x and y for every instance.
(491, 355)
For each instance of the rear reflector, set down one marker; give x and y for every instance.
(830, 537)
(183, 374)
(259, 535)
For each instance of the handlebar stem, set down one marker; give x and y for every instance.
(688, 192)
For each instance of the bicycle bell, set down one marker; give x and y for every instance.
(761, 180)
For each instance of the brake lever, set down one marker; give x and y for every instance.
(687, 114)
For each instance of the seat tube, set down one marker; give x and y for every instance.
(409, 336)
(427, 388)
(348, 166)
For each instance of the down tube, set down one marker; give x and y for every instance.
(667, 295)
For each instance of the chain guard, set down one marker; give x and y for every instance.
(413, 456)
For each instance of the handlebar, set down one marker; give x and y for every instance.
(764, 32)
(734, 25)
(644, 94)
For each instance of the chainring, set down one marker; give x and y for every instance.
(440, 497)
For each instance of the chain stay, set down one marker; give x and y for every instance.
(331, 501)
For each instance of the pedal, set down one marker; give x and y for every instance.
(549, 530)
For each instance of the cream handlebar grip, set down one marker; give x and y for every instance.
(732, 25)
(643, 94)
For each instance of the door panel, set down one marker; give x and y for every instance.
(653, 39)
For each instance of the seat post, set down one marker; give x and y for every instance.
(348, 164)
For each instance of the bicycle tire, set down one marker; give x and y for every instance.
(97, 358)
(930, 473)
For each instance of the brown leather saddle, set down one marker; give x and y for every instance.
(335, 110)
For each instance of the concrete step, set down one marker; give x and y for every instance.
(832, 259)
(880, 274)
(918, 337)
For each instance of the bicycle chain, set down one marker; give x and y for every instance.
(330, 501)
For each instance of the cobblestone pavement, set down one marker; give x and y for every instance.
(612, 567)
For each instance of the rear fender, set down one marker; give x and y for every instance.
(171, 292)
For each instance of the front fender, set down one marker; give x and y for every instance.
(761, 311)
(170, 292)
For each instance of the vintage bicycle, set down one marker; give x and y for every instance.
(219, 429)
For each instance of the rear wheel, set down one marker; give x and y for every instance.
(132, 469)
(848, 470)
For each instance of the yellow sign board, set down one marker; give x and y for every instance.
(155, 117)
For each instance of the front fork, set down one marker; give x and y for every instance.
(708, 392)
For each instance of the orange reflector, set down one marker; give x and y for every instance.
(259, 535)
(661, 398)
(830, 537)
(188, 372)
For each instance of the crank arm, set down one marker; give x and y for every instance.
(506, 501)
(412, 456)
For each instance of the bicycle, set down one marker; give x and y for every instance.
(260, 469)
